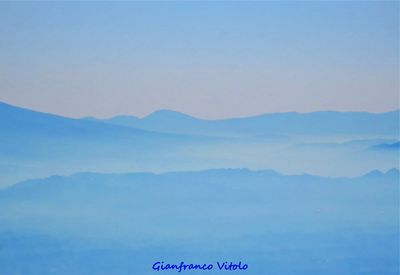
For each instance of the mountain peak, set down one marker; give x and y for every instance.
(394, 172)
(167, 114)
(374, 173)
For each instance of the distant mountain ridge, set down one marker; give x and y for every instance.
(165, 121)
(35, 144)
(291, 123)
(19, 120)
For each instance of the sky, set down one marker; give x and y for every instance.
(207, 59)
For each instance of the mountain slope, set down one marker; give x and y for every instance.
(19, 121)
(35, 144)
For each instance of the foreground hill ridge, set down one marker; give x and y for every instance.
(392, 171)
(374, 174)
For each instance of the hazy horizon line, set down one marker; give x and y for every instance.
(190, 115)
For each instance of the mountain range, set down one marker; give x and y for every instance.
(325, 123)
(93, 196)
(91, 223)
(35, 144)
(23, 121)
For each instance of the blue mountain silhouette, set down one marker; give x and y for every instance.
(395, 146)
(35, 144)
(91, 223)
(284, 124)
(20, 120)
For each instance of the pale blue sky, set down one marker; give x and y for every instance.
(208, 59)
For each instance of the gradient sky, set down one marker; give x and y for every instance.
(207, 59)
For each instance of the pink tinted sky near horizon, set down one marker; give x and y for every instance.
(207, 59)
